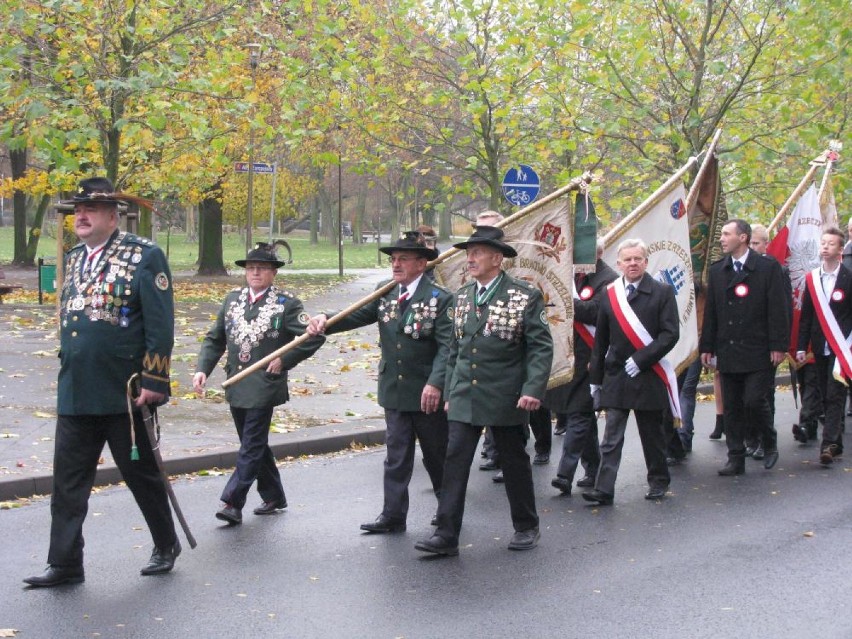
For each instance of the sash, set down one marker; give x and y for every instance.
(639, 337)
(830, 328)
(585, 331)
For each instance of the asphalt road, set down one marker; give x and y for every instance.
(763, 555)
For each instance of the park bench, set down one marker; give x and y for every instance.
(6, 288)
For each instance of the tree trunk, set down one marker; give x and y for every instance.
(210, 235)
(360, 216)
(35, 231)
(18, 160)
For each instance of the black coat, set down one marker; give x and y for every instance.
(810, 330)
(746, 315)
(655, 305)
(574, 397)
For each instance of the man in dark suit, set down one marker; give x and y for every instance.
(414, 332)
(253, 322)
(497, 372)
(745, 334)
(117, 322)
(574, 399)
(637, 325)
(825, 324)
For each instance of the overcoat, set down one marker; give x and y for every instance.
(655, 305)
(840, 303)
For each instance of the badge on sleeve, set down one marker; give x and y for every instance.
(837, 295)
(741, 290)
(304, 318)
(543, 317)
(162, 281)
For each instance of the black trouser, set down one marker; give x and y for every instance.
(541, 430)
(255, 460)
(580, 443)
(810, 394)
(653, 437)
(834, 402)
(79, 443)
(510, 442)
(746, 401)
(403, 427)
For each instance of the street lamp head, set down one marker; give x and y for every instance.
(254, 53)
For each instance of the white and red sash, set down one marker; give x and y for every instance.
(838, 344)
(585, 331)
(639, 337)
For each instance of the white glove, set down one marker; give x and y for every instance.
(594, 389)
(631, 368)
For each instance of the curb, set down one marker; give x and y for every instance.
(319, 444)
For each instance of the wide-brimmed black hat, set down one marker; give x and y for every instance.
(411, 241)
(262, 252)
(490, 236)
(96, 189)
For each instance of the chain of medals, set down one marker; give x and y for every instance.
(421, 317)
(99, 293)
(505, 318)
(247, 334)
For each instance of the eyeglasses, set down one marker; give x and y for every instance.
(402, 259)
(258, 269)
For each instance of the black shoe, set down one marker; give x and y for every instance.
(800, 433)
(749, 451)
(674, 461)
(759, 453)
(541, 459)
(162, 560)
(498, 478)
(770, 459)
(525, 539)
(231, 514)
(489, 464)
(56, 576)
(733, 467)
(437, 545)
(597, 496)
(434, 521)
(655, 493)
(384, 524)
(559, 430)
(587, 482)
(563, 484)
(719, 429)
(270, 507)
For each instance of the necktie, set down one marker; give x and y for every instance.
(480, 296)
(630, 290)
(402, 300)
(90, 261)
(738, 266)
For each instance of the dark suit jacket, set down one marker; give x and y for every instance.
(498, 357)
(574, 396)
(287, 321)
(810, 330)
(655, 305)
(746, 315)
(414, 345)
(847, 255)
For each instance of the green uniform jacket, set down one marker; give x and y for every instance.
(116, 322)
(250, 332)
(414, 346)
(498, 357)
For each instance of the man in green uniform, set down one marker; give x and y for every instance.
(117, 321)
(499, 364)
(253, 322)
(414, 332)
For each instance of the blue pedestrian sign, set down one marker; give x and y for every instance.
(521, 185)
(259, 167)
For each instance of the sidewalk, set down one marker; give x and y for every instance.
(332, 405)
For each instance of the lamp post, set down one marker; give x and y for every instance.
(254, 58)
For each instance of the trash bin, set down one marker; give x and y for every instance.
(46, 279)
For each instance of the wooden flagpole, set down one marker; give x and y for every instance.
(693, 190)
(648, 203)
(573, 185)
(794, 196)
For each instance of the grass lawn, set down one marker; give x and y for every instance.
(183, 255)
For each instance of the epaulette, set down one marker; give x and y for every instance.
(130, 238)
(523, 283)
(280, 292)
